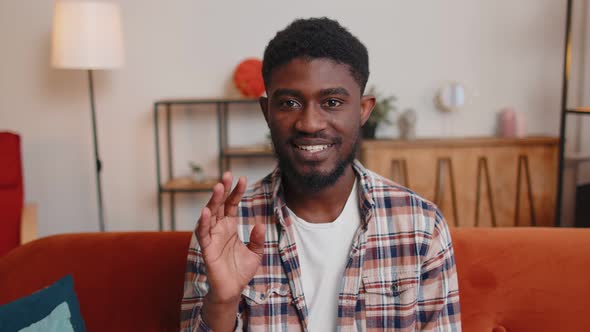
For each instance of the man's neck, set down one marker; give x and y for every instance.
(319, 206)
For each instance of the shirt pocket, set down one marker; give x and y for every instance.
(397, 291)
(268, 307)
(261, 293)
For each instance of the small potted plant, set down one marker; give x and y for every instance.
(380, 114)
(196, 172)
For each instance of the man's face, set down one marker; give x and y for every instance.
(314, 111)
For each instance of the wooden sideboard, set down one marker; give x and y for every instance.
(475, 181)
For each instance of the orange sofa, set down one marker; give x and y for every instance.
(510, 279)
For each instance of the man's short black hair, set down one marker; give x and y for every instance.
(317, 38)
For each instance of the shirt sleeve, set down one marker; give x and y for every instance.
(438, 296)
(195, 289)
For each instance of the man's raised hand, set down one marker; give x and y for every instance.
(230, 264)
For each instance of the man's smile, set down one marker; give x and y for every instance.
(313, 148)
(312, 152)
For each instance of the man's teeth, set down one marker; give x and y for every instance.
(313, 148)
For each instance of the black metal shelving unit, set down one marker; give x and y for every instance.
(173, 185)
(565, 111)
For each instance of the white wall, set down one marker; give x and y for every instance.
(506, 52)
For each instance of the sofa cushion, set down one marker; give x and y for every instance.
(523, 278)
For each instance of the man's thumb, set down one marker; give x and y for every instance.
(257, 239)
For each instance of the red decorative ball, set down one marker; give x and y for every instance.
(248, 78)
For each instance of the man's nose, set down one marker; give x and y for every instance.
(311, 119)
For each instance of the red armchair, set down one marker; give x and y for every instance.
(15, 223)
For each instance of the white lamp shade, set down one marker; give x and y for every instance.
(87, 35)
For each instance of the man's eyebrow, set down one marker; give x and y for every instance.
(287, 92)
(334, 91)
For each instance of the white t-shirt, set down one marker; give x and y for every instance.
(324, 251)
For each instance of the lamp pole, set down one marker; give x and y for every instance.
(96, 154)
(88, 35)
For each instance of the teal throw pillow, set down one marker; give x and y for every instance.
(54, 308)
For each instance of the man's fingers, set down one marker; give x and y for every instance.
(231, 203)
(215, 202)
(257, 239)
(204, 228)
(226, 180)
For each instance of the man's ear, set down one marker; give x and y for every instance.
(263, 101)
(367, 105)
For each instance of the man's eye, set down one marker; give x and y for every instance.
(290, 103)
(332, 103)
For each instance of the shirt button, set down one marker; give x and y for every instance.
(394, 288)
(262, 296)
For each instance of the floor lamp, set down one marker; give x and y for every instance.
(87, 35)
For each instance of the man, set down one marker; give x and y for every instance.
(320, 244)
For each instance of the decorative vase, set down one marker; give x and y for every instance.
(198, 176)
(508, 123)
(407, 124)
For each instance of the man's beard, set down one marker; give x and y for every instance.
(316, 181)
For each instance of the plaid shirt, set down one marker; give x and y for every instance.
(400, 274)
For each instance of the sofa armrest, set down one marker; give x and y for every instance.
(28, 231)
